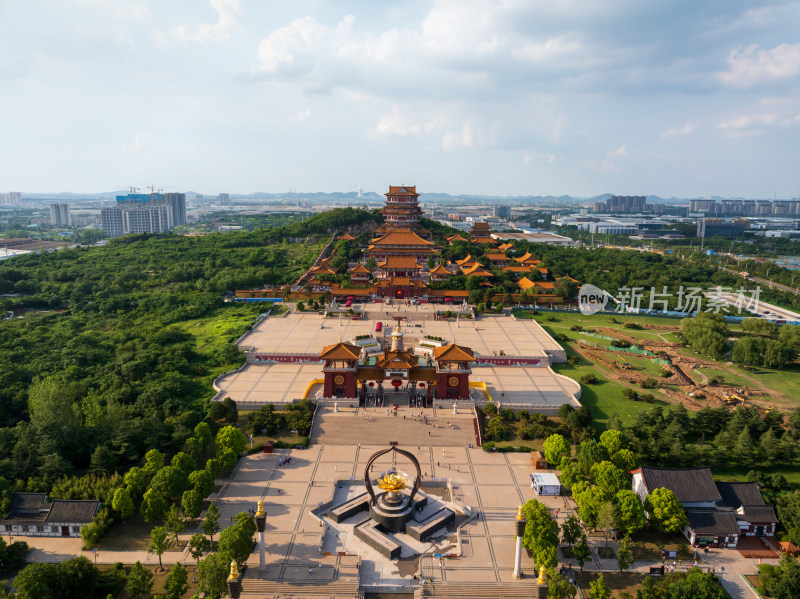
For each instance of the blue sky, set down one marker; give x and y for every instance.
(504, 97)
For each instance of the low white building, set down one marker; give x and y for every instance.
(545, 483)
(32, 515)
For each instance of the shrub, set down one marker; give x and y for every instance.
(665, 372)
(574, 359)
(490, 409)
(588, 379)
(507, 414)
(716, 380)
(561, 337)
(630, 394)
(649, 383)
(632, 325)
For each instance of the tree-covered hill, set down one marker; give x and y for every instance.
(107, 360)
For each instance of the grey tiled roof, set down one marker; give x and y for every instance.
(713, 522)
(688, 484)
(736, 494)
(77, 512)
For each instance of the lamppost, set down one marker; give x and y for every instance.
(261, 521)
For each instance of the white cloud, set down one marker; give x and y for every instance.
(401, 122)
(462, 139)
(609, 163)
(302, 116)
(750, 65)
(137, 143)
(228, 12)
(687, 129)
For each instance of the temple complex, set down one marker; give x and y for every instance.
(397, 374)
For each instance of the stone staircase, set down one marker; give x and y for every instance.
(471, 590)
(273, 589)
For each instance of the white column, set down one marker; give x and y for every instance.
(262, 560)
(518, 559)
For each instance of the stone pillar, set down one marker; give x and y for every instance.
(542, 588)
(234, 584)
(261, 521)
(519, 530)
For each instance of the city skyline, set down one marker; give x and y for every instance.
(498, 98)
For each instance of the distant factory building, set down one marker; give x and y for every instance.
(714, 227)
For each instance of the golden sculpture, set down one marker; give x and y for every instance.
(542, 576)
(520, 515)
(260, 510)
(234, 571)
(392, 483)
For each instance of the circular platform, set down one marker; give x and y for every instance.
(392, 511)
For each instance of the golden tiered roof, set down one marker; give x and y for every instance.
(440, 270)
(340, 351)
(399, 262)
(453, 353)
(476, 270)
(400, 237)
(399, 360)
(345, 237)
(360, 269)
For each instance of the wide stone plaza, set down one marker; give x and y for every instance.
(535, 387)
(492, 485)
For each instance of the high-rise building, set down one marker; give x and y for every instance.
(59, 215)
(224, 199)
(176, 202)
(144, 213)
(111, 221)
(502, 211)
(12, 198)
(618, 204)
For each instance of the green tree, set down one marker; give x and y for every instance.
(177, 582)
(203, 481)
(199, 545)
(159, 543)
(140, 580)
(625, 460)
(556, 448)
(598, 589)
(582, 551)
(610, 478)
(212, 575)
(787, 583)
(612, 441)
(706, 333)
(744, 450)
(153, 462)
(541, 531)
(153, 506)
(560, 588)
(666, 512)
(210, 524)
(788, 506)
(630, 511)
(607, 519)
(589, 454)
(136, 480)
(569, 472)
(571, 530)
(174, 522)
(170, 482)
(237, 540)
(191, 503)
(202, 433)
(590, 500)
(230, 437)
(122, 503)
(624, 555)
(184, 462)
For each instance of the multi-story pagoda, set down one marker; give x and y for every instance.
(481, 233)
(402, 210)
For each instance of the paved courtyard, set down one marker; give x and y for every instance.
(493, 483)
(536, 387)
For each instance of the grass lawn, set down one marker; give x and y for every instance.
(159, 579)
(133, 534)
(627, 582)
(605, 398)
(283, 435)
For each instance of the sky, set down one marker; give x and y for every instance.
(680, 98)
